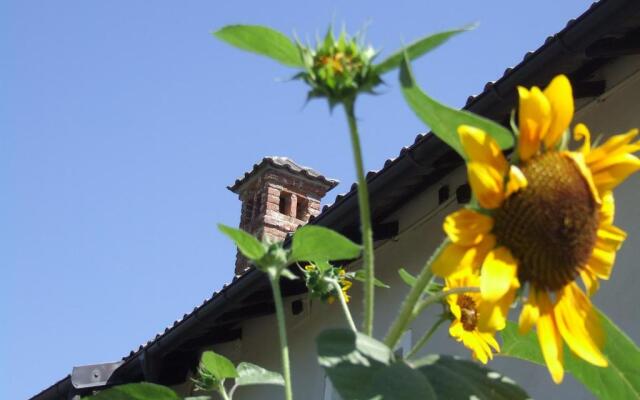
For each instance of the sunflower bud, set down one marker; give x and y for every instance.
(338, 69)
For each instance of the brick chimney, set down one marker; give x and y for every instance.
(278, 195)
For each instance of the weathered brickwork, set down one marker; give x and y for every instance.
(276, 201)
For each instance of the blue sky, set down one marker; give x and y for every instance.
(122, 123)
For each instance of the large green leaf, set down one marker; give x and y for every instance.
(136, 391)
(417, 49)
(361, 367)
(248, 245)
(217, 365)
(456, 379)
(444, 121)
(318, 244)
(262, 40)
(620, 380)
(251, 374)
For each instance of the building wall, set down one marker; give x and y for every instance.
(420, 232)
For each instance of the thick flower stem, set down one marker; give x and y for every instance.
(343, 303)
(282, 330)
(405, 316)
(425, 338)
(365, 219)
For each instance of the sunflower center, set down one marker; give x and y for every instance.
(468, 312)
(550, 226)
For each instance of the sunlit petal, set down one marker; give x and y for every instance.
(487, 184)
(560, 96)
(455, 259)
(578, 324)
(481, 148)
(549, 339)
(517, 180)
(466, 227)
(534, 117)
(530, 313)
(498, 272)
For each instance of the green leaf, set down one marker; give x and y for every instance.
(262, 40)
(251, 374)
(444, 121)
(218, 366)
(407, 277)
(361, 367)
(418, 49)
(248, 245)
(318, 244)
(136, 391)
(432, 287)
(361, 276)
(620, 380)
(456, 379)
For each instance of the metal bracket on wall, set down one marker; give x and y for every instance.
(88, 376)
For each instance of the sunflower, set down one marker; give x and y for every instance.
(544, 220)
(468, 310)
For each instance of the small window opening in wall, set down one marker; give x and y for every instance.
(443, 194)
(463, 194)
(301, 208)
(297, 307)
(285, 203)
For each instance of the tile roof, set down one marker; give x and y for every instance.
(286, 164)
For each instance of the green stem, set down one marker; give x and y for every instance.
(223, 392)
(282, 330)
(405, 315)
(425, 338)
(343, 303)
(365, 219)
(422, 305)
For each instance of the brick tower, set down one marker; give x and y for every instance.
(278, 196)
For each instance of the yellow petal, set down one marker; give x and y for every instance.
(459, 259)
(466, 227)
(493, 316)
(481, 148)
(490, 340)
(581, 132)
(579, 161)
(549, 339)
(616, 144)
(590, 280)
(607, 210)
(517, 180)
(487, 184)
(560, 96)
(499, 269)
(611, 172)
(534, 117)
(610, 237)
(530, 313)
(579, 326)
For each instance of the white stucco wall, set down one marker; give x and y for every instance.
(420, 232)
